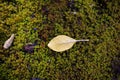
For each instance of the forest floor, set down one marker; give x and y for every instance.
(38, 21)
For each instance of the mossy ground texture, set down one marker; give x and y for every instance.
(41, 20)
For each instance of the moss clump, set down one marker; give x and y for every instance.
(42, 20)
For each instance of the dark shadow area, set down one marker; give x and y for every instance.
(116, 68)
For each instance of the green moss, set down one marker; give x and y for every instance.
(43, 20)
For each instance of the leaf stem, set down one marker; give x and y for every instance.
(82, 40)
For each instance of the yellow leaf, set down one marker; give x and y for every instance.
(62, 43)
